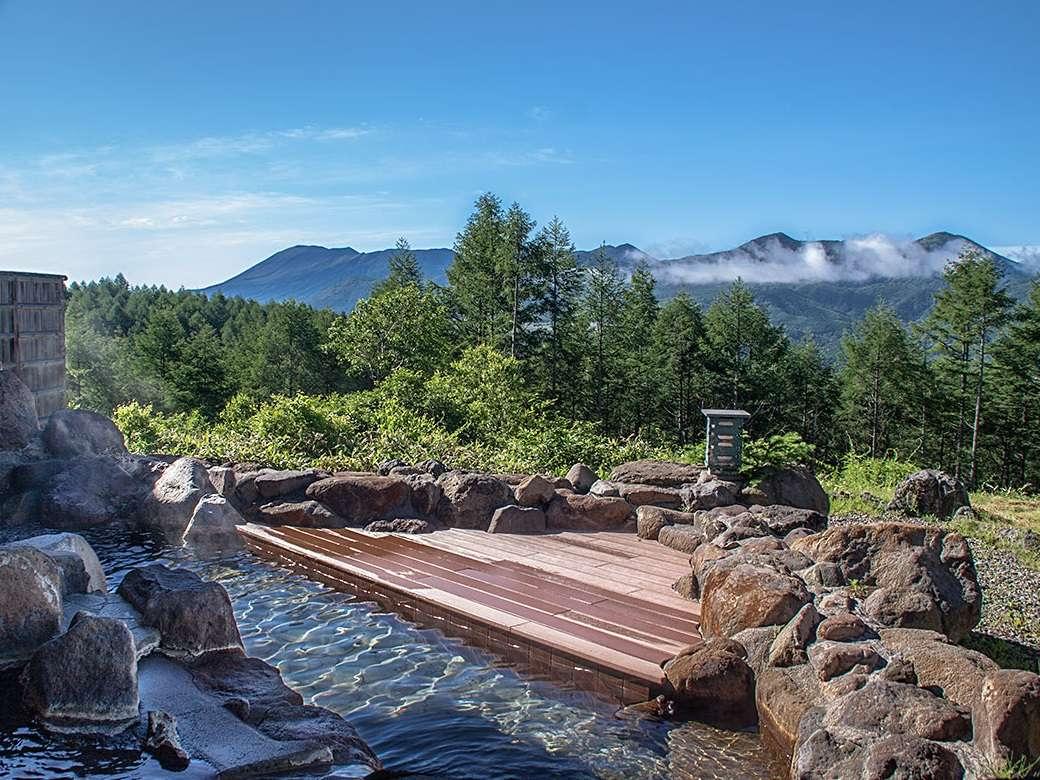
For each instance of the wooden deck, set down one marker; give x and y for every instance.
(592, 609)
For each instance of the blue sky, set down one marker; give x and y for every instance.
(181, 142)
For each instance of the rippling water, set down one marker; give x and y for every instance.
(427, 704)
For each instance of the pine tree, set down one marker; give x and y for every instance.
(881, 382)
(519, 260)
(967, 314)
(403, 269)
(639, 399)
(679, 344)
(199, 381)
(812, 389)
(481, 307)
(600, 318)
(558, 311)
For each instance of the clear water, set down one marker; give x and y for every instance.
(427, 704)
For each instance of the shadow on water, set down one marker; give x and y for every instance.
(428, 705)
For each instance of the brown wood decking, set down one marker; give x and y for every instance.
(593, 609)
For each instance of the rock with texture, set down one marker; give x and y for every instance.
(957, 671)
(163, 742)
(514, 519)
(662, 473)
(214, 526)
(193, 616)
(930, 492)
(744, 592)
(684, 538)
(58, 546)
(576, 512)
(86, 678)
(536, 490)
(831, 659)
(174, 496)
(1007, 717)
(708, 495)
(604, 489)
(403, 525)
(469, 500)
(18, 420)
(90, 491)
(797, 487)
(788, 649)
(31, 586)
(305, 514)
(782, 520)
(782, 696)
(921, 577)
(713, 683)
(273, 484)
(78, 433)
(362, 498)
(581, 477)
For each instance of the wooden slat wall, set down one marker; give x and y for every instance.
(32, 335)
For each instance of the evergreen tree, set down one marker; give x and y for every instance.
(968, 312)
(519, 258)
(679, 343)
(811, 388)
(286, 356)
(638, 401)
(199, 381)
(560, 298)
(881, 383)
(475, 276)
(403, 269)
(600, 318)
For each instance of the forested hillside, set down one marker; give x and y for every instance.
(528, 360)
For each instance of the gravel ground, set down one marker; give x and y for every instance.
(1010, 590)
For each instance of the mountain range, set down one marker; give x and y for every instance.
(813, 288)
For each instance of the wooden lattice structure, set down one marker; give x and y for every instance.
(32, 335)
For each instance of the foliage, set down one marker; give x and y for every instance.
(777, 451)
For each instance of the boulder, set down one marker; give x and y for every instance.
(573, 511)
(708, 495)
(581, 477)
(403, 525)
(62, 545)
(214, 526)
(90, 491)
(831, 659)
(470, 500)
(305, 514)
(18, 420)
(920, 577)
(162, 741)
(1007, 717)
(929, 492)
(385, 467)
(223, 479)
(649, 521)
(194, 617)
(273, 484)
(30, 602)
(909, 757)
(426, 494)
(514, 519)
(432, 467)
(715, 684)
(957, 671)
(741, 592)
(604, 489)
(684, 538)
(650, 495)
(783, 520)
(882, 708)
(782, 697)
(78, 433)
(797, 487)
(360, 498)
(843, 627)
(788, 649)
(85, 679)
(662, 473)
(536, 490)
(757, 643)
(175, 495)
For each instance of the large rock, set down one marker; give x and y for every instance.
(305, 514)
(86, 678)
(1007, 717)
(214, 526)
(920, 577)
(684, 538)
(66, 545)
(174, 496)
(273, 484)
(957, 671)
(782, 520)
(797, 487)
(78, 433)
(788, 649)
(662, 473)
(929, 492)
(832, 659)
(536, 490)
(714, 683)
(514, 519)
(741, 592)
(18, 420)
(470, 499)
(194, 617)
(709, 495)
(361, 498)
(572, 511)
(30, 602)
(581, 477)
(649, 495)
(426, 494)
(90, 491)
(163, 742)
(782, 697)
(881, 708)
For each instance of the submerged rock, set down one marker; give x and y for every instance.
(163, 742)
(193, 616)
(715, 684)
(85, 679)
(214, 525)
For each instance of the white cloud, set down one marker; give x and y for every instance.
(1027, 255)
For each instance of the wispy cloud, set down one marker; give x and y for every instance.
(251, 143)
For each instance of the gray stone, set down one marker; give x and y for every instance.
(470, 500)
(85, 679)
(782, 520)
(536, 490)
(930, 492)
(708, 495)
(194, 617)
(797, 487)
(175, 495)
(573, 511)
(788, 649)
(361, 498)
(426, 494)
(214, 526)
(604, 489)
(432, 467)
(18, 420)
(517, 520)
(684, 538)
(112, 605)
(30, 602)
(78, 433)
(163, 742)
(305, 514)
(657, 472)
(274, 484)
(581, 477)
(90, 491)
(76, 546)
